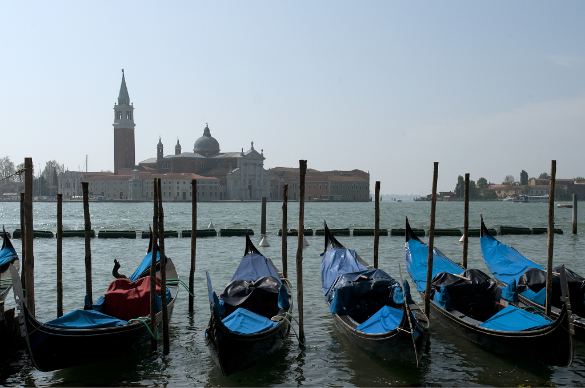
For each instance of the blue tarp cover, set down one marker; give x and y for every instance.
(510, 293)
(538, 297)
(514, 319)
(243, 321)
(146, 262)
(416, 263)
(442, 299)
(253, 267)
(335, 262)
(7, 255)
(503, 261)
(85, 319)
(345, 278)
(385, 320)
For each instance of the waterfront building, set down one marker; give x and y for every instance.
(124, 148)
(333, 185)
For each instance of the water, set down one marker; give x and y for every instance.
(329, 359)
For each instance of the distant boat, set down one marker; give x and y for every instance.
(508, 199)
(398, 200)
(531, 198)
(568, 205)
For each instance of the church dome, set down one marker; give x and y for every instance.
(206, 144)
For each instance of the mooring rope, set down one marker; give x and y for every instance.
(182, 283)
(146, 321)
(19, 172)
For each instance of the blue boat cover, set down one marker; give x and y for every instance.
(385, 320)
(243, 321)
(505, 263)
(510, 293)
(335, 262)
(7, 255)
(442, 299)
(537, 297)
(344, 278)
(146, 262)
(253, 267)
(283, 298)
(514, 319)
(416, 263)
(85, 319)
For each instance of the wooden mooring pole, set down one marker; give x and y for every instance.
(465, 221)
(88, 292)
(574, 213)
(59, 255)
(284, 230)
(377, 224)
(163, 273)
(154, 237)
(29, 261)
(303, 171)
(193, 242)
(431, 241)
(23, 241)
(551, 236)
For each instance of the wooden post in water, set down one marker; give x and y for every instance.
(28, 228)
(263, 239)
(193, 242)
(303, 171)
(85, 188)
(23, 241)
(154, 236)
(431, 241)
(284, 230)
(574, 213)
(465, 221)
(163, 273)
(377, 224)
(59, 255)
(551, 236)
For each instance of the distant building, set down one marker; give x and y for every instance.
(321, 185)
(124, 149)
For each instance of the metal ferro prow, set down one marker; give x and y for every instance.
(566, 298)
(19, 299)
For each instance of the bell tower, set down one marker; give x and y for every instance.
(124, 151)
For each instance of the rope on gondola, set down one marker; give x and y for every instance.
(145, 321)
(182, 283)
(280, 317)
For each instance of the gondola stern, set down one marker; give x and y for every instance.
(408, 233)
(483, 230)
(330, 241)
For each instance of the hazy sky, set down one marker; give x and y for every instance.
(388, 87)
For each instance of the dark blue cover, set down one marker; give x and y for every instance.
(85, 319)
(510, 293)
(335, 262)
(146, 263)
(504, 262)
(253, 267)
(442, 299)
(243, 321)
(416, 263)
(283, 298)
(8, 255)
(345, 278)
(385, 320)
(514, 319)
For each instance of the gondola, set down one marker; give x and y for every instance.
(370, 308)
(472, 305)
(87, 336)
(8, 256)
(250, 320)
(510, 266)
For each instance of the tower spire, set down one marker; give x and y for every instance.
(123, 90)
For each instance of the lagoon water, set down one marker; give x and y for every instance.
(328, 359)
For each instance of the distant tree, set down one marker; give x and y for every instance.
(523, 178)
(544, 175)
(6, 168)
(49, 175)
(20, 178)
(460, 187)
(490, 195)
(473, 191)
(580, 178)
(509, 181)
(482, 183)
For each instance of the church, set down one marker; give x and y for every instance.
(241, 174)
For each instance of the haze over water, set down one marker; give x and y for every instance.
(328, 359)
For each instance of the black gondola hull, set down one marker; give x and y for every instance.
(552, 345)
(234, 353)
(393, 347)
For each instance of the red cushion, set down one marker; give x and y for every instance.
(128, 300)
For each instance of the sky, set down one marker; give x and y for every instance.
(389, 87)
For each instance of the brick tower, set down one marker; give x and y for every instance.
(124, 153)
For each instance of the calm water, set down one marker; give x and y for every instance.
(328, 359)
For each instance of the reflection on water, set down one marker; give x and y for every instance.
(329, 358)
